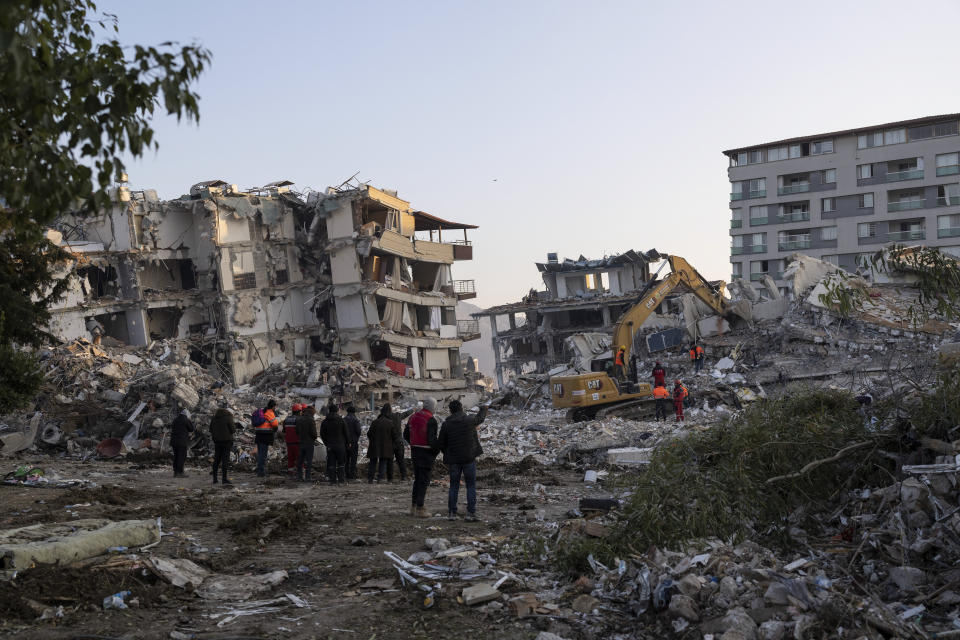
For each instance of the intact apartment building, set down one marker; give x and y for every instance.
(248, 279)
(842, 195)
(580, 296)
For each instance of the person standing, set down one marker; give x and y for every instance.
(659, 375)
(421, 433)
(307, 434)
(265, 425)
(679, 395)
(696, 354)
(291, 439)
(354, 431)
(380, 446)
(661, 395)
(619, 363)
(222, 428)
(398, 445)
(460, 444)
(180, 432)
(333, 433)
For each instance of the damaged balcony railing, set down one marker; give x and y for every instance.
(468, 329)
(464, 289)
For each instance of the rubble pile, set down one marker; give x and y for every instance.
(106, 400)
(888, 564)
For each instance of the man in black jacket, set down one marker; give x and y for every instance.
(222, 427)
(354, 431)
(333, 432)
(380, 446)
(460, 444)
(180, 432)
(307, 432)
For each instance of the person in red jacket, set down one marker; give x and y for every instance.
(659, 375)
(292, 439)
(679, 393)
(421, 433)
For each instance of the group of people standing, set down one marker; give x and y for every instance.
(457, 439)
(662, 396)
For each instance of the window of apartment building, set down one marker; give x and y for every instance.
(894, 136)
(864, 171)
(948, 194)
(741, 158)
(948, 226)
(758, 268)
(828, 204)
(242, 269)
(867, 230)
(758, 239)
(867, 140)
(777, 153)
(829, 176)
(758, 215)
(796, 151)
(818, 147)
(866, 201)
(736, 242)
(948, 164)
(755, 156)
(736, 189)
(833, 259)
(736, 218)
(758, 186)
(945, 129)
(737, 268)
(828, 233)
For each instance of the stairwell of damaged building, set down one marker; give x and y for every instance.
(267, 275)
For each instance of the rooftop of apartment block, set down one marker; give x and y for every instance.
(915, 122)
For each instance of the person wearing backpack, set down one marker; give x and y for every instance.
(265, 424)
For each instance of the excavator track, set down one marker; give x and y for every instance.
(632, 409)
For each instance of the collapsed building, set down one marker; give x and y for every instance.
(250, 279)
(573, 318)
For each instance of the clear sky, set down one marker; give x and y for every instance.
(576, 127)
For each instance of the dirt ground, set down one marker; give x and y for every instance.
(331, 541)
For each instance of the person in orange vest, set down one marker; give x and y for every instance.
(291, 438)
(619, 365)
(696, 357)
(265, 424)
(679, 394)
(661, 395)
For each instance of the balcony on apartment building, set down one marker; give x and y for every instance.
(948, 164)
(465, 289)
(905, 200)
(793, 212)
(753, 248)
(807, 181)
(948, 226)
(907, 169)
(906, 232)
(736, 223)
(793, 241)
(468, 330)
(462, 247)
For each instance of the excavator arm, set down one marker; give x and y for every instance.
(681, 272)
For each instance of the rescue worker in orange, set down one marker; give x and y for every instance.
(696, 357)
(620, 369)
(265, 424)
(679, 395)
(661, 395)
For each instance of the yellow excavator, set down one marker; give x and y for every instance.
(590, 394)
